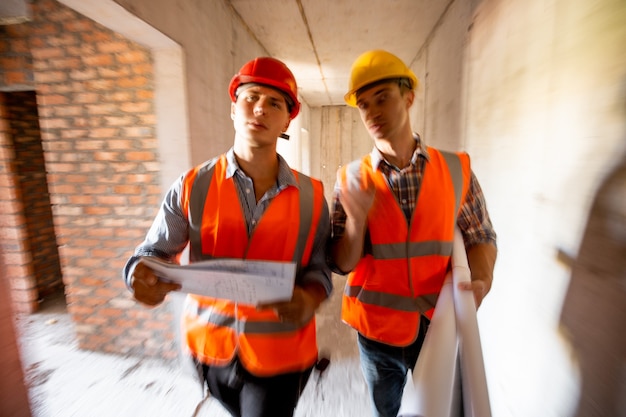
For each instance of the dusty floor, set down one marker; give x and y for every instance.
(67, 382)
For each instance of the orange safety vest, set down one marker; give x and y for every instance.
(215, 330)
(402, 276)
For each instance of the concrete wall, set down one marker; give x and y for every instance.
(437, 112)
(534, 91)
(544, 122)
(337, 137)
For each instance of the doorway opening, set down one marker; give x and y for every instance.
(41, 275)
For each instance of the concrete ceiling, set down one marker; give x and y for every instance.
(319, 39)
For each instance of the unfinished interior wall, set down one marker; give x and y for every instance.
(106, 168)
(94, 92)
(32, 188)
(534, 91)
(18, 272)
(437, 111)
(544, 114)
(337, 137)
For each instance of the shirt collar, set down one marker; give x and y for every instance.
(285, 175)
(420, 150)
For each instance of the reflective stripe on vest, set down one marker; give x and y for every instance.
(401, 275)
(210, 316)
(420, 304)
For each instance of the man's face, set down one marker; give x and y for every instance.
(260, 115)
(384, 109)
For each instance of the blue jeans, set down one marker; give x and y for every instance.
(384, 368)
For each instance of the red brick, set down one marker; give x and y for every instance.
(74, 134)
(132, 82)
(16, 258)
(119, 120)
(43, 54)
(20, 46)
(101, 232)
(71, 63)
(22, 284)
(15, 77)
(104, 253)
(132, 57)
(82, 75)
(81, 199)
(112, 46)
(137, 131)
(107, 132)
(86, 145)
(53, 100)
(12, 62)
(18, 31)
(143, 69)
(111, 200)
(97, 211)
(144, 94)
(128, 189)
(86, 98)
(50, 77)
(64, 40)
(99, 60)
(120, 144)
(107, 293)
(115, 72)
(140, 156)
(96, 36)
(26, 297)
(96, 189)
(78, 26)
(110, 312)
(137, 107)
(106, 156)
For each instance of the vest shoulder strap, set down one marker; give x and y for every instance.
(453, 161)
(197, 199)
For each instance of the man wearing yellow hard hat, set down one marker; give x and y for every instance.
(393, 221)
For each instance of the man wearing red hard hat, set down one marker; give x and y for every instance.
(247, 204)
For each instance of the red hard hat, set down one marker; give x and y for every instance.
(271, 72)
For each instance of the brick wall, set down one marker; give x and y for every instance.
(15, 248)
(24, 139)
(95, 101)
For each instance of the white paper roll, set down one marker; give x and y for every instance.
(474, 381)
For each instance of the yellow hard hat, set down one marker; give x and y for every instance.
(374, 66)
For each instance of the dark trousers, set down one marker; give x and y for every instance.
(385, 367)
(247, 395)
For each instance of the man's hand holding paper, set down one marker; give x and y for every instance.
(248, 282)
(148, 288)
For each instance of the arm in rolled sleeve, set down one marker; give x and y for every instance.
(167, 237)
(479, 237)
